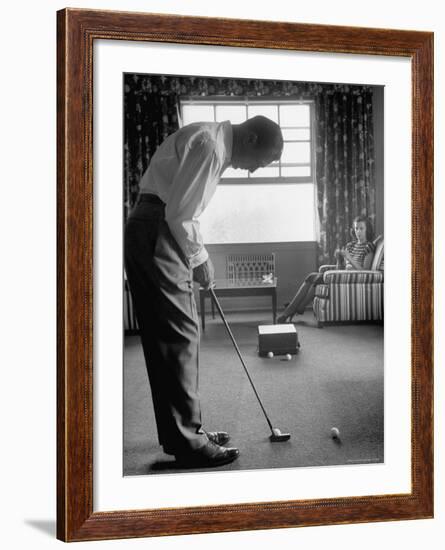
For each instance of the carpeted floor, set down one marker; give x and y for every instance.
(335, 380)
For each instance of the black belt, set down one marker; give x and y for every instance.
(148, 197)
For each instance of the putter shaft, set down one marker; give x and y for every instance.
(220, 311)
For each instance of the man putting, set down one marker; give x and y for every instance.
(164, 254)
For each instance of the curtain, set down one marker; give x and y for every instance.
(344, 140)
(344, 163)
(150, 115)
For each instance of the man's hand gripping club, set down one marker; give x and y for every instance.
(204, 274)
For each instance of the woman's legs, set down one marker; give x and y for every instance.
(303, 296)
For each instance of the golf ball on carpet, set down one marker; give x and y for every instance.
(288, 356)
(270, 354)
(335, 433)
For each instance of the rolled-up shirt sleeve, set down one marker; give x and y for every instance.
(194, 183)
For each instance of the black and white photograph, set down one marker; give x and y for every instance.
(253, 274)
(223, 278)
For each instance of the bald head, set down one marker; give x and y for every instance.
(256, 143)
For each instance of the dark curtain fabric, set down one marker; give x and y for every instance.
(343, 139)
(344, 163)
(150, 115)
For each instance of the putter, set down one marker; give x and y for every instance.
(277, 435)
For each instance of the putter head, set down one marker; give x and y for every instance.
(277, 436)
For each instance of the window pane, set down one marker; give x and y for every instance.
(197, 113)
(269, 111)
(298, 171)
(234, 173)
(260, 213)
(268, 172)
(296, 134)
(294, 115)
(234, 113)
(296, 152)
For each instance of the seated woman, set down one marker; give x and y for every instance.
(357, 255)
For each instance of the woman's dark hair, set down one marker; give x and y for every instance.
(369, 227)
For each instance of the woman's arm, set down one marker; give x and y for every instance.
(368, 260)
(370, 250)
(353, 262)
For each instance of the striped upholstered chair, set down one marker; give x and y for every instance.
(351, 296)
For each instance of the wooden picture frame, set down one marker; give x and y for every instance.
(77, 31)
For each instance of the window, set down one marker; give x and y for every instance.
(294, 118)
(278, 204)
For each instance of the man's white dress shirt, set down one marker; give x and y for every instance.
(184, 173)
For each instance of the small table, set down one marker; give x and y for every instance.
(225, 288)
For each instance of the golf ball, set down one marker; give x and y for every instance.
(335, 433)
(270, 354)
(288, 357)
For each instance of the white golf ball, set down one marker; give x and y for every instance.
(288, 357)
(270, 354)
(335, 433)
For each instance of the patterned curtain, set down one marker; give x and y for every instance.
(343, 139)
(150, 115)
(344, 163)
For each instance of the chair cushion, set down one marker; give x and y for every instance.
(352, 277)
(322, 291)
(326, 267)
(377, 261)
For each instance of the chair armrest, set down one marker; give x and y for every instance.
(349, 276)
(326, 267)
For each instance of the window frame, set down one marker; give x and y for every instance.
(271, 100)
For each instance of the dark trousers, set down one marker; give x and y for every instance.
(161, 285)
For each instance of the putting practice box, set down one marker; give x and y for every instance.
(280, 339)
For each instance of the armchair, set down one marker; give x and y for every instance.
(349, 295)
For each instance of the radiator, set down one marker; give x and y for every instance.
(250, 268)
